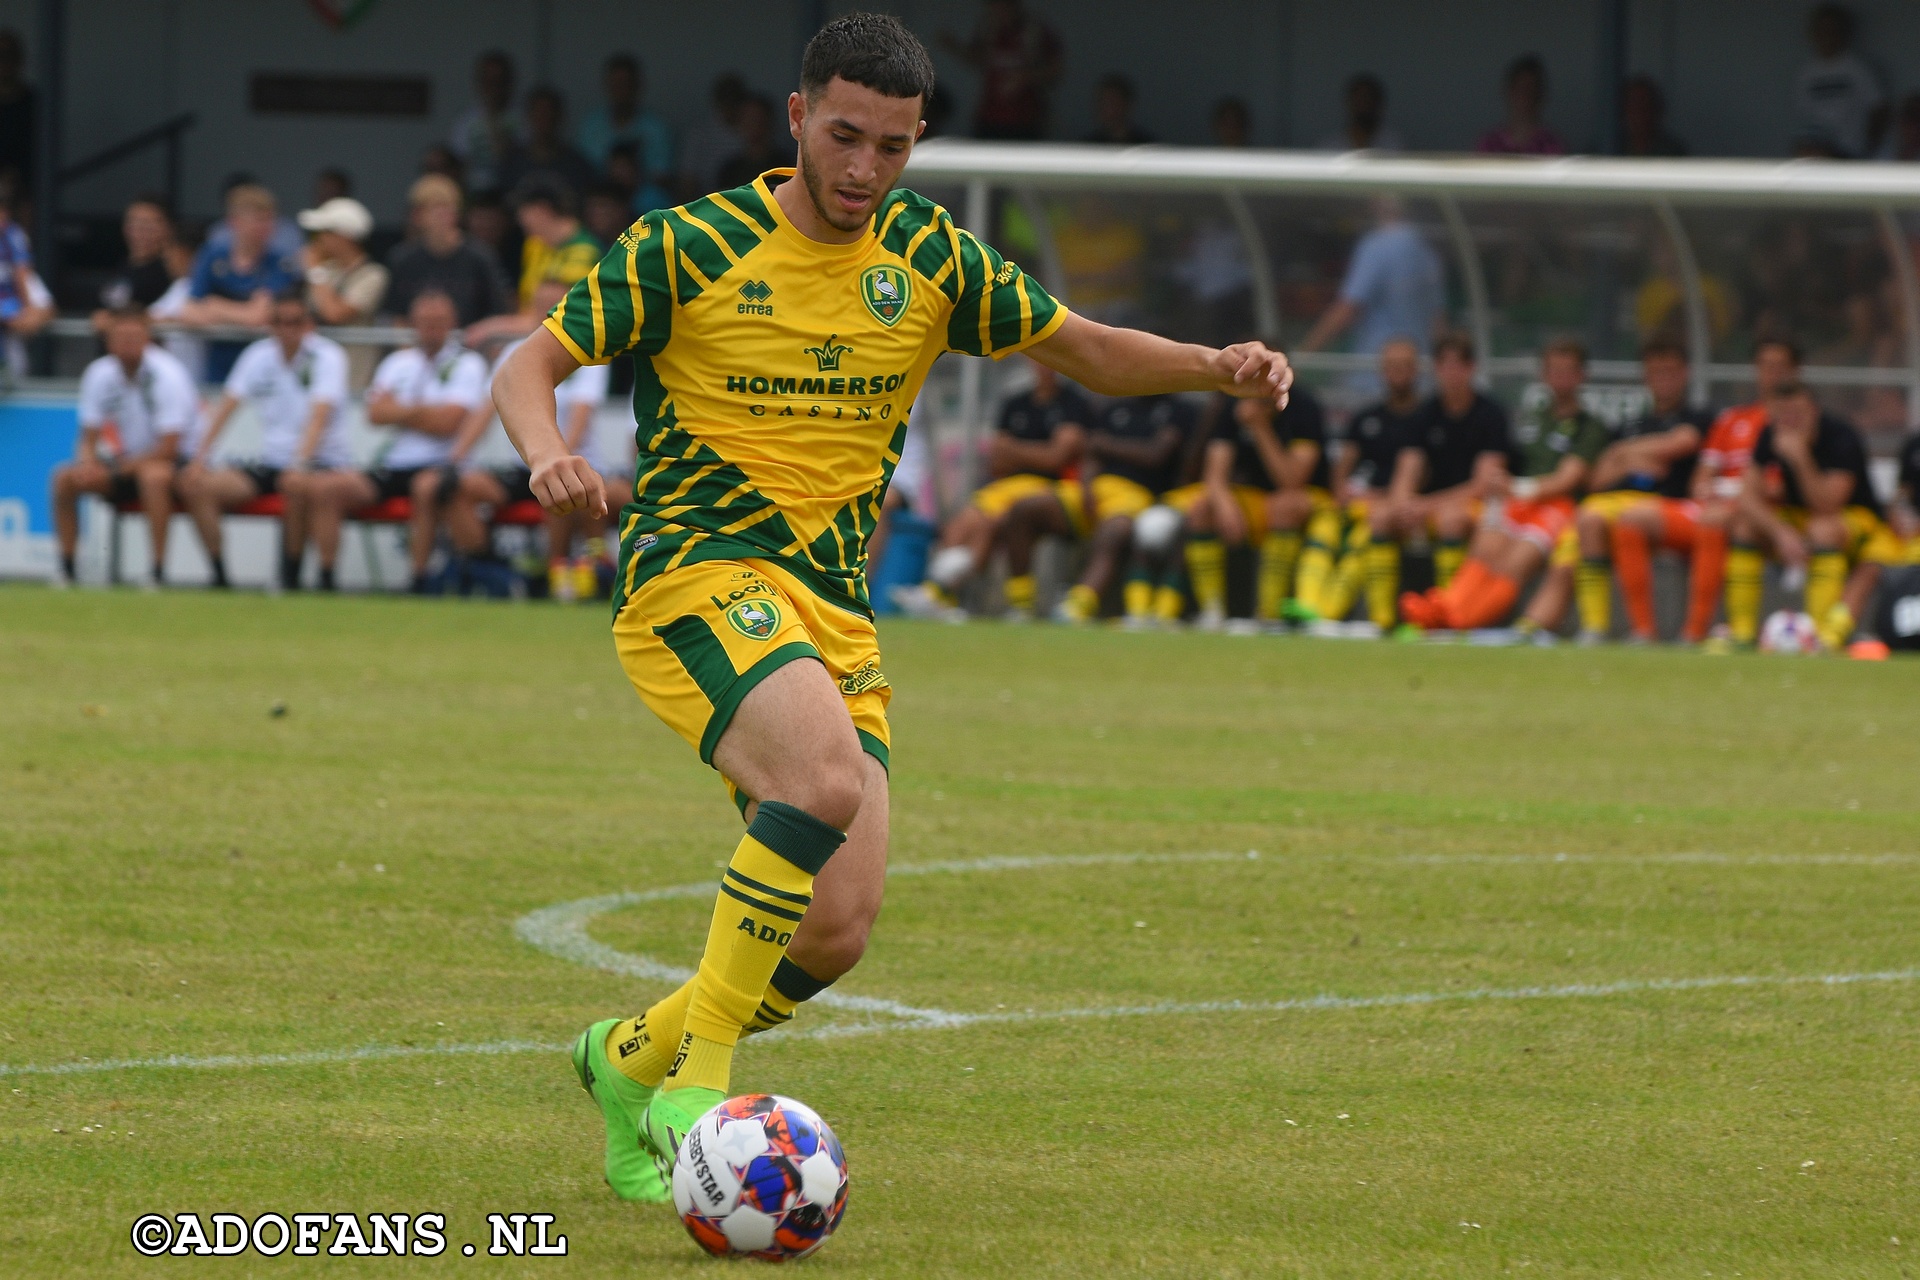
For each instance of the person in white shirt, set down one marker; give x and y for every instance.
(296, 382)
(137, 404)
(482, 489)
(1841, 105)
(425, 393)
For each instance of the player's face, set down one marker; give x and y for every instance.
(290, 321)
(854, 141)
(127, 340)
(433, 319)
(1795, 413)
(1562, 373)
(1666, 378)
(1773, 367)
(1399, 367)
(1452, 375)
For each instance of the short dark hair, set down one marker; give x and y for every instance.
(624, 61)
(1454, 342)
(295, 295)
(130, 313)
(873, 50)
(1566, 347)
(1672, 348)
(556, 195)
(1119, 84)
(1785, 343)
(1527, 64)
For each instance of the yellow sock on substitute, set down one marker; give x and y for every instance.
(1826, 580)
(1315, 575)
(1746, 576)
(1383, 583)
(1138, 596)
(1168, 603)
(763, 896)
(1593, 593)
(1207, 568)
(1021, 591)
(1279, 552)
(642, 1048)
(1447, 559)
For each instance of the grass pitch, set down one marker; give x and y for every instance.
(1501, 863)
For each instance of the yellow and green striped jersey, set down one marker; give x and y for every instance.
(773, 374)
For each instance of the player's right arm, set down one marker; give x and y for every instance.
(523, 394)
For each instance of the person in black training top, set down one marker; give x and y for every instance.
(1807, 501)
(155, 259)
(1131, 455)
(1459, 438)
(1904, 515)
(1037, 449)
(1265, 475)
(1367, 458)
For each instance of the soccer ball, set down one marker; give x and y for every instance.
(760, 1176)
(1789, 632)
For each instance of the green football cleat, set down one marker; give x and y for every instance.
(630, 1168)
(668, 1118)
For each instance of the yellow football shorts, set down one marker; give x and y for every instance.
(1112, 496)
(697, 639)
(1869, 539)
(1251, 501)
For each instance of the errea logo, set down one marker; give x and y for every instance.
(755, 294)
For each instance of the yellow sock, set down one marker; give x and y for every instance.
(1020, 593)
(1083, 602)
(1826, 580)
(1593, 590)
(642, 1048)
(1207, 567)
(1139, 597)
(1383, 582)
(1746, 572)
(788, 989)
(1279, 552)
(1447, 559)
(1168, 604)
(763, 895)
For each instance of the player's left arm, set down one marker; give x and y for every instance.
(523, 393)
(1126, 362)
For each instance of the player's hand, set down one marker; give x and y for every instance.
(1252, 370)
(568, 484)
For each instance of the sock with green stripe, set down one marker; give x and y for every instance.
(788, 989)
(764, 895)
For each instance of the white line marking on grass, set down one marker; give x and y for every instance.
(371, 1053)
(1665, 859)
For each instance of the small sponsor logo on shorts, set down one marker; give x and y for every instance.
(755, 619)
(644, 541)
(867, 677)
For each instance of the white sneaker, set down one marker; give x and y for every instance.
(1241, 627)
(919, 601)
(58, 580)
(1212, 618)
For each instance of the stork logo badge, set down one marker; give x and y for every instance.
(755, 619)
(886, 292)
(829, 352)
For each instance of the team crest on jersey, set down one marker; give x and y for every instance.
(754, 619)
(886, 291)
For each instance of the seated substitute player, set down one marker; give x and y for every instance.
(296, 382)
(1037, 448)
(1129, 459)
(1642, 498)
(1809, 503)
(138, 404)
(425, 391)
(1365, 463)
(740, 612)
(1454, 454)
(1554, 448)
(1263, 479)
(1904, 514)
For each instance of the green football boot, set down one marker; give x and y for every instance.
(630, 1168)
(668, 1118)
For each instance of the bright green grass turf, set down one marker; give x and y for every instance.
(181, 873)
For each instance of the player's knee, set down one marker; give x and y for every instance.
(1826, 533)
(831, 790)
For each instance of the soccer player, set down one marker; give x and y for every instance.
(1640, 499)
(1904, 515)
(1554, 448)
(1364, 469)
(576, 401)
(1719, 478)
(1809, 502)
(296, 382)
(1041, 439)
(425, 392)
(138, 404)
(1130, 457)
(766, 444)
(1452, 459)
(1263, 478)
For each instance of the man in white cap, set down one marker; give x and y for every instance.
(343, 283)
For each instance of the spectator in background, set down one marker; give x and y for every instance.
(557, 250)
(1019, 59)
(491, 228)
(1523, 133)
(1365, 129)
(1231, 123)
(1905, 142)
(344, 285)
(16, 266)
(437, 256)
(1395, 287)
(236, 285)
(485, 132)
(709, 143)
(759, 149)
(287, 239)
(1113, 113)
(331, 184)
(1838, 99)
(623, 120)
(155, 259)
(607, 211)
(439, 158)
(1643, 120)
(544, 153)
(17, 108)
